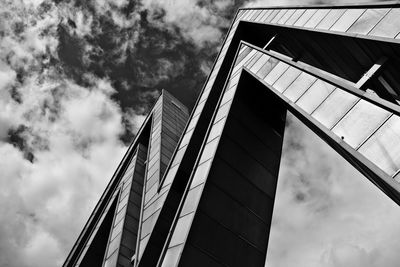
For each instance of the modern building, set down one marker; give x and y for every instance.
(201, 193)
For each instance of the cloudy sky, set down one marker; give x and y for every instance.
(77, 79)
(327, 213)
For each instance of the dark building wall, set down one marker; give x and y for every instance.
(232, 221)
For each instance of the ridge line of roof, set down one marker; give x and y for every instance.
(394, 3)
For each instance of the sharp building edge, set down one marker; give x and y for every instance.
(199, 189)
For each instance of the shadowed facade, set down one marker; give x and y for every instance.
(201, 193)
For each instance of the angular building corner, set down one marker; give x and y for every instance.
(201, 193)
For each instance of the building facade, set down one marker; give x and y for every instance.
(199, 190)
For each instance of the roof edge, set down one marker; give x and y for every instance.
(388, 4)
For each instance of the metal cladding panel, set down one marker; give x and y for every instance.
(379, 22)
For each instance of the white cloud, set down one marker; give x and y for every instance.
(108, 3)
(7, 79)
(114, 10)
(82, 19)
(7, 76)
(223, 4)
(24, 46)
(199, 24)
(133, 120)
(205, 67)
(34, 3)
(77, 154)
(73, 133)
(326, 213)
(42, 249)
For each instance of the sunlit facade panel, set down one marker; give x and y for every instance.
(380, 22)
(349, 117)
